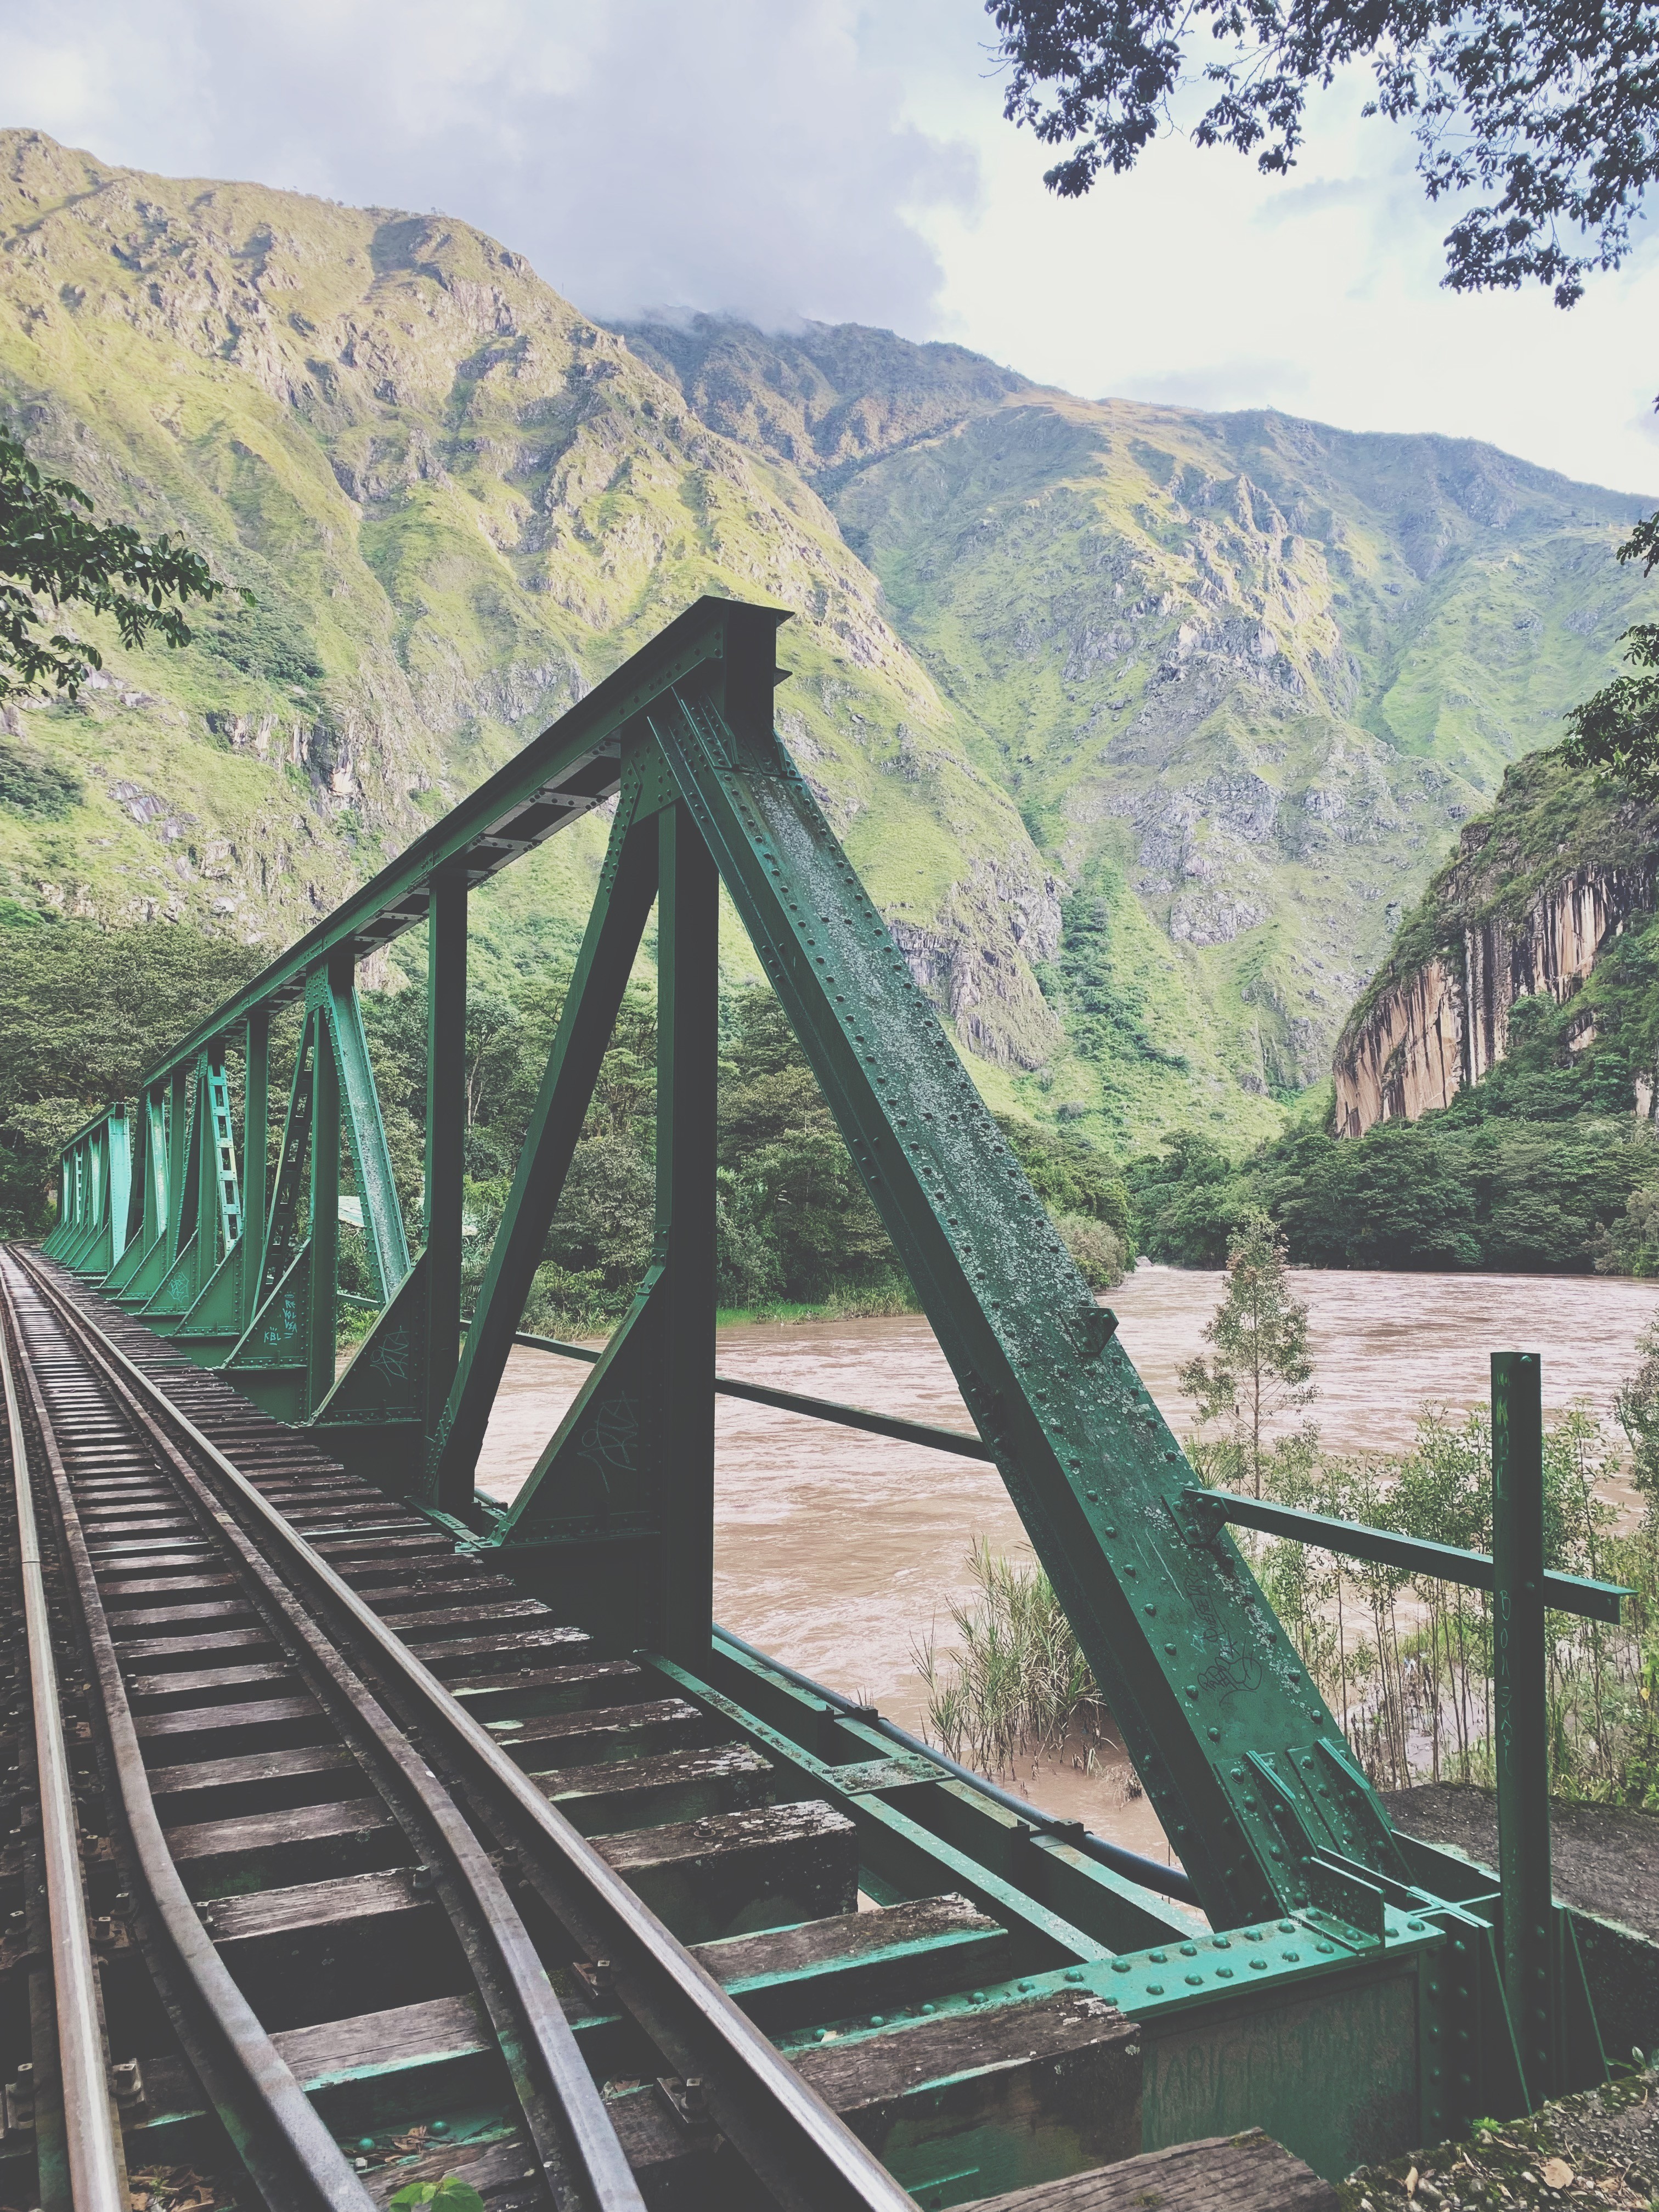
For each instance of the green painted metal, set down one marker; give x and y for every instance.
(1520, 1711)
(627, 886)
(147, 1196)
(925, 1433)
(1548, 2039)
(256, 1081)
(323, 1320)
(446, 1136)
(1204, 1511)
(96, 1184)
(1242, 1759)
(283, 1236)
(383, 1220)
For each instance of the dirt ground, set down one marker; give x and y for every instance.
(1605, 1858)
(1596, 2152)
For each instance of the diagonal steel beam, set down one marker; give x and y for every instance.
(628, 885)
(1189, 1656)
(383, 1219)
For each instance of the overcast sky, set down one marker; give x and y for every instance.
(846, 160)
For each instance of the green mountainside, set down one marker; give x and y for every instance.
(1242, 675)
(1142, 726)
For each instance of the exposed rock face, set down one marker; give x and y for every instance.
(1553, 950)
(992, 999)
(1406, 1057)
(1489, 937)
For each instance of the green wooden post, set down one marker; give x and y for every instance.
(1519, 1710)
(256, 1125)
(688, 972)
(324, 1214)
(445, 1134)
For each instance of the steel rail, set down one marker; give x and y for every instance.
(801, 2149)
(560, 2102)
(293, 2159)
(98, 2180)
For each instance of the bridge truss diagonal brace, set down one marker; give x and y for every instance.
(1189, 1656)
(627, 1482)
(333, 995)
(628, 885)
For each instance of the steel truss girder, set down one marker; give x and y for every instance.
(1189, 1656)
(1241, 1757)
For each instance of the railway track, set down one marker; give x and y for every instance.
(334, 1902)
(388, 1877)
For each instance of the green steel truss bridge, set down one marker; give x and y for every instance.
(1315, 1972)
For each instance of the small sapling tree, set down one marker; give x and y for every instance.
(1258, 1368)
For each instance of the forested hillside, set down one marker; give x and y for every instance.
(1143, 727)
(1243, 676)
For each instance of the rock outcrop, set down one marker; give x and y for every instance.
(1521, 910)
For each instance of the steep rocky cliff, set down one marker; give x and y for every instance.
(1533, 893)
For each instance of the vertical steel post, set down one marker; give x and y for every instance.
(1519, 1710)
(256, 1127)
(445, 1135)
(688, 981)
(324, 1217)
(177, 1138)
(207, 1164)
(628, 883)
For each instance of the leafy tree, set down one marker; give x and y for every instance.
(1260, 1367)
(82, 1013)
(1618, 729)
(49, 550)
(1397, 1199)
(1638, 1410)
(1546, 105)
(1070, 1174)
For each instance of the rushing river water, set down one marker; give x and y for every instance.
(835, 1551)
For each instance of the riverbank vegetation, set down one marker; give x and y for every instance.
(794, 1227)
(1542, 1165)
(1404, 1661)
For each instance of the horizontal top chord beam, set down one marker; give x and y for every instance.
(574, 766)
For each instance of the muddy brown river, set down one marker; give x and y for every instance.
(835, 1551)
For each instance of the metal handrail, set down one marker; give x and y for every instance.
(97, 2170)
(858, 2181)
(791, 1402)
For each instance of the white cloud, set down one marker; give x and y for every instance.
(848, 159)
(1196, 281)
(735, 154)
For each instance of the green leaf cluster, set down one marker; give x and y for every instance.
(48, 549)
(83, 1012)
(793, 1223)
(1618, 729)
